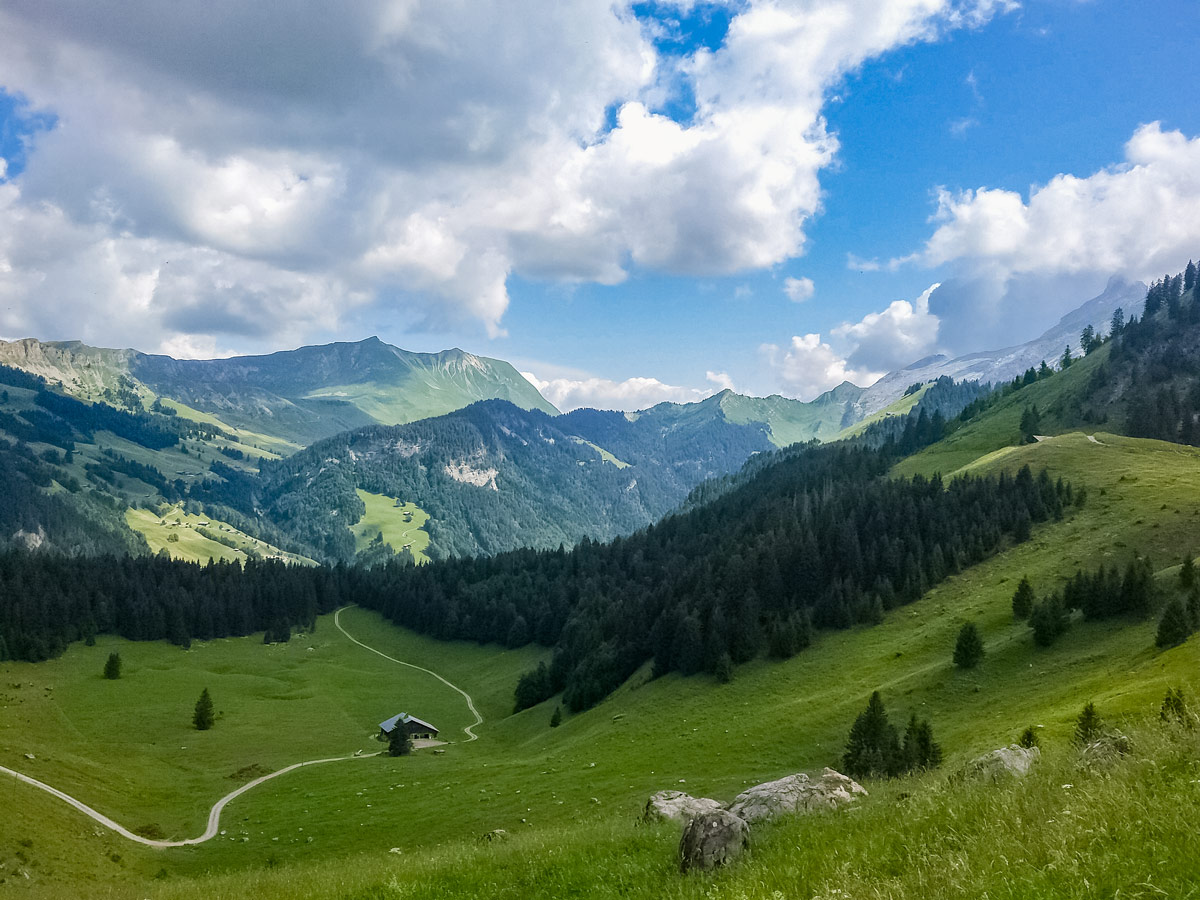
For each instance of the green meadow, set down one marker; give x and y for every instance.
(179, 533)
(398, 523)
(569, 797)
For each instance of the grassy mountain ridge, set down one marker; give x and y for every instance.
(301, 395)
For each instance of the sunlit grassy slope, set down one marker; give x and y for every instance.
(190, 545)
(569, 795)
(400, 526)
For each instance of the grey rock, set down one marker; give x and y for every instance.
(676, 806)
(1013, 760)
(796, 794)
(713, 839)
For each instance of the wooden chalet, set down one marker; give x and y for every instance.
(417, 729)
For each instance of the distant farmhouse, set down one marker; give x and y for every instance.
(416, 729)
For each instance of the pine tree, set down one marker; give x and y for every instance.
(203, 718)
(1175, 626)
(873, 748)
(399, 741)
(920, 750)
(1118, 322)
(1088, 726)
(556, 718)
(1087, 340)
(1023, 600)
(1029, 739)
(1187, 573)
(1049, 621)
(1065, 362)
(968, 650)
(112, 668)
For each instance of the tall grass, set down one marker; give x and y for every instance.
(1065, 831)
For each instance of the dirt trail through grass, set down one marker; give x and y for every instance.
(214, 815)
(471, 735)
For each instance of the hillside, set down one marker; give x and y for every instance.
(538, 783)
(494, 477)
(298, 395)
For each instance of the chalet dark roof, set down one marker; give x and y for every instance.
(390, 724)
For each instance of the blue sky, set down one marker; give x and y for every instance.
(615, 200)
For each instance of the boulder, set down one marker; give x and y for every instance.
(713, 839)
(1013, 760)
(796, 794)
(498, 834)
(676, 806)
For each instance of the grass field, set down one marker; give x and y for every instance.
(399, 525)
(569, 796)
(192, 546)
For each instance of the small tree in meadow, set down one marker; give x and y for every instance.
(1175, 625)
(1187, 573)
(968, 651)
(112, 668)
(399, 741)
(1089, 726)
(873, 747)
(1029, 739)
(556, 719)
(203, 716)
(1023, 600)
(921, 751)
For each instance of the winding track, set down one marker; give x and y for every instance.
(471, 735)
(214, 815)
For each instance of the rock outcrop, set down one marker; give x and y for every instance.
(713, 839)
(1013, 760)
(796, 794)
(677, 807)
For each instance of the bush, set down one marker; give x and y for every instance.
(112, 668)
(1029, 739)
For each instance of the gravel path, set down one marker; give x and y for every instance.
(471, 735)
(214, 815)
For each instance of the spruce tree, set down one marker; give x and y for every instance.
(873, 748)
(1029, 739)
(1049, 621)
(968, 651)
(1187, 573)
(556, 718)
(399, 741)
(1023, 599)
(203, 717)
(1088, 726)
(920, 750)
(112, 668)
(1175, 625)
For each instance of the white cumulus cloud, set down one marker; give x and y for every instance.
(798, 289)
(307, 159)
(1031, 259)
(604, 393)
(860, 352)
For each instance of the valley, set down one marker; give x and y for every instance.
(626, 677)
